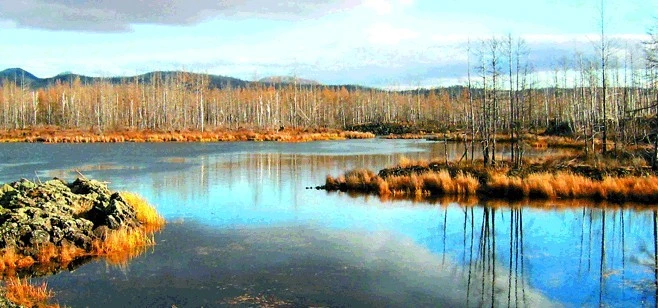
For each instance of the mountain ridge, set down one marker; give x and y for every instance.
(19, 76)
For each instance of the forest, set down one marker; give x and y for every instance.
(606, 100)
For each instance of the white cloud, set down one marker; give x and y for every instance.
(386, 34)
(381, 7)
(386, 7)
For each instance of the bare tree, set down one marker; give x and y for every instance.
(651, 50)
(603, 50)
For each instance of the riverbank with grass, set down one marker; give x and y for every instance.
(50, 226)
(56, 135)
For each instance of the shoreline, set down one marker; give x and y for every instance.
(57, 135)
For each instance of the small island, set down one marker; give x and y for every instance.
(614, 177)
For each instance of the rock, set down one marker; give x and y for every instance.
(39, 237)
(33, 215)
(101, 232)
(57, 235)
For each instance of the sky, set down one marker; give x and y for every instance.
(380, 43)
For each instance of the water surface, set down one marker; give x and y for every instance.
(243, 229)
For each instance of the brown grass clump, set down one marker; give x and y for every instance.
(564, 185)
(11, 260)
(499, 184)
(47, 253)
(22, 292)
(357, 135)
(426, 184)
(60, 254)
(120, 246)
(466, 184)
(536, 185)
(146, 213)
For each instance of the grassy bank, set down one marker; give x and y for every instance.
(558, 178)
(55, 135)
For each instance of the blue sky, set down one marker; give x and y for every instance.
(371, 42)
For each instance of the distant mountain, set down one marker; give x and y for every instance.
(288, 80)
(19, 75)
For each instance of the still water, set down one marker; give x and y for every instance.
(243, 229)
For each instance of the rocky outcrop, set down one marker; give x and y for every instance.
(55, 212)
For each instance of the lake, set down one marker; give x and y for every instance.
(244, 230)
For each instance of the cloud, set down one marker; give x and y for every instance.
(119, 15)
(386, 7)
(386, 34)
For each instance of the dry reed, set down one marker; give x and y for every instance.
(146, 213)
(539, 185)
(120, 246)
(55, 135)
(22, 292)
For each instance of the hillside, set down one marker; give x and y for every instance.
(21, 76)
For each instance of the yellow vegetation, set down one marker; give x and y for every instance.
(56, 135)
(541, 185)
(21, 292)
(10, 260)
(146, 214)
(122, 245)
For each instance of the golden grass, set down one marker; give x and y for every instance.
(22, 292)
(117, 247)
(534, 186)
(60, 254)
(357, 135)
(55, 135)
(432, 184)
(120, 246)
(564, 185)
(11, 260)
(146, 213)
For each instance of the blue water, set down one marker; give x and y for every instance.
(242, 223)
